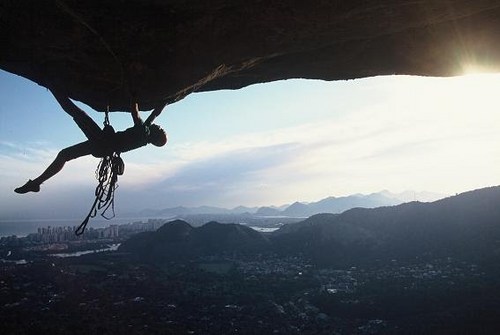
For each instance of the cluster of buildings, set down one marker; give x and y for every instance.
(67, 233)
(47, 235)
(60, 235)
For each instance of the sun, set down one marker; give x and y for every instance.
(477, 69)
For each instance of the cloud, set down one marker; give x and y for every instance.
(214, 179)
(234, 165)
(247, 167)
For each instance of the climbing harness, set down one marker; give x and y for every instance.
(110, 167)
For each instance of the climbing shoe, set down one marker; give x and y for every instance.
(30, 186)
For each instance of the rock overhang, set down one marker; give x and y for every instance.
(109, 53)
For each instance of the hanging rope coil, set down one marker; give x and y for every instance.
(107, 172)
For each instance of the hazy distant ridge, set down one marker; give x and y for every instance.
(300, 209)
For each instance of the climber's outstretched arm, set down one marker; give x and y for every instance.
(157, 111)
(66, 104)
(134, 111)
(84, 122)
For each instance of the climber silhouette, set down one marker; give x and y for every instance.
(101, 142)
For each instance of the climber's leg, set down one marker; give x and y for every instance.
(91, 130)
(65, 155)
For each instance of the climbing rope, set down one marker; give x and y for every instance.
(106, 117)
(107, 172)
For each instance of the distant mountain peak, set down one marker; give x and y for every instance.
(176, 227)
(329, 204)
(268, 211)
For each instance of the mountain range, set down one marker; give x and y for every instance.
(300, 209)
(466, 225)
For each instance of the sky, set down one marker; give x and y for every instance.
(266, 144)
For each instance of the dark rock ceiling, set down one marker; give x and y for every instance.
(114, 51)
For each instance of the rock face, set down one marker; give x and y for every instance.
(111, 52)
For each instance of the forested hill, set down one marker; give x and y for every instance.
(177, 240)
(466, 225)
